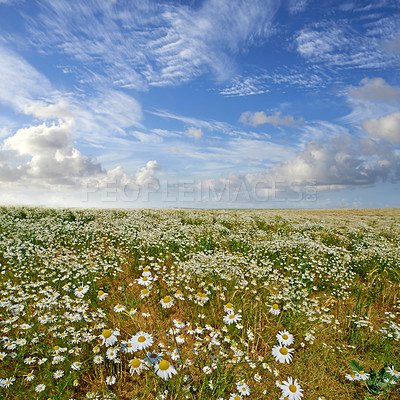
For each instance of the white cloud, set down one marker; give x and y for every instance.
(151, 43)
(260, 118)
(335, 164)
(376, 89)
(146, 175)
(387, 127)
(194, 132)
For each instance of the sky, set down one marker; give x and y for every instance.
(200, 103)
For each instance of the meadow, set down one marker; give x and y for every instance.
(199, 304)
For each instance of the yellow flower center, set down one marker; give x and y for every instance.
(293, 388)
(129, 345)
(178, 292)
(145, 291)
(100, 293)
(237, 398)
(144, 278)
(167, 299)
(361, 372)
(30, 374)
(75, 381)
(96, 348)
(56, 348)
(353, 376)
(141, 339)
(285, 337)
(275, 306)
(146, 269)
(395, 372)
(107, 333)
(229, 305)
(283, 351)
(232, 316)
(135, 363)
(163, 365)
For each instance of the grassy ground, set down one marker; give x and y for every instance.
(206, 294)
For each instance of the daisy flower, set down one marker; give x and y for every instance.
(112, 353)
(285, 338)
(7, 382)
(179, 295)
(282, 354)
(146, 271)
(110, 380)
(76, 365)
(228, 308)
(291, 389)
(144, 281)
(393, 372)
(243, 389)
(165, 370)
(144, 293)
(119, 308)
(132, 311)
(136, 365)
(274, 309)
(257, 377)
(58, 374)
(167, 302)
(109, 337)
(98, 359)
(101, 295)
(363, 376)
(232, 318)
(29, 377)
(235, 396)
(352, 377)
(40, 388)
(141, 340)
(81, 290)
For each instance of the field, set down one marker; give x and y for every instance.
(183, 304)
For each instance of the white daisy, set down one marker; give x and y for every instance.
(285, 338)
(232, 318)
(165, 370)
(274, 309)
(144, 293)
(142, 340)
(110, 380)
(228, 308)
(119, 308)
(109, 337)
(393, 372)
(98, 359)
(112, 353)
(40, 388)
(282, 354)
(167, 302)
(144, 280)
(30, 376)
(291, 389)
(352, 377)
(58, 374)
(136, 365)
(101, 295)
(76, 365)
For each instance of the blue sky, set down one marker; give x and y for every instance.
(215, 103)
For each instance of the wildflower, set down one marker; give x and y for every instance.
(29, 377)
(136, 365)
(7, 382)
(112, 353)
(153, 357)
(231, 318)
(96, 349)
(228, 308)
(285, 338)
(80, 291)
(180, 339)
(40, 388)
(257, 377)
(98, 359)
(207, 369)
(167, 302)
(235, 396)
(393, 372)
(165, 370)
(274, 309)
(101, 295)
(58, 374)
(146, 271)
(352, 377)
(75, 382)
(291, 389)
(110, 380)
(282, 354)
(76, 365)
(144, 280)
(29, 360)
(363, 376)
(132, 311)
(178, 294)
(119, 308)
(175, 354)
(141, 340)
(42, 361)
(109, 337)
(243, 389)
(144, 293)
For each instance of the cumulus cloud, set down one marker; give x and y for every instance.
(376, 89)
(44, 155)
(194, 132)
(335, 164)
(387, 127)
(260, 118)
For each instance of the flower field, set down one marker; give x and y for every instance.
(184, 304)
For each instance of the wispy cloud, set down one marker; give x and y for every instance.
(260, 118)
